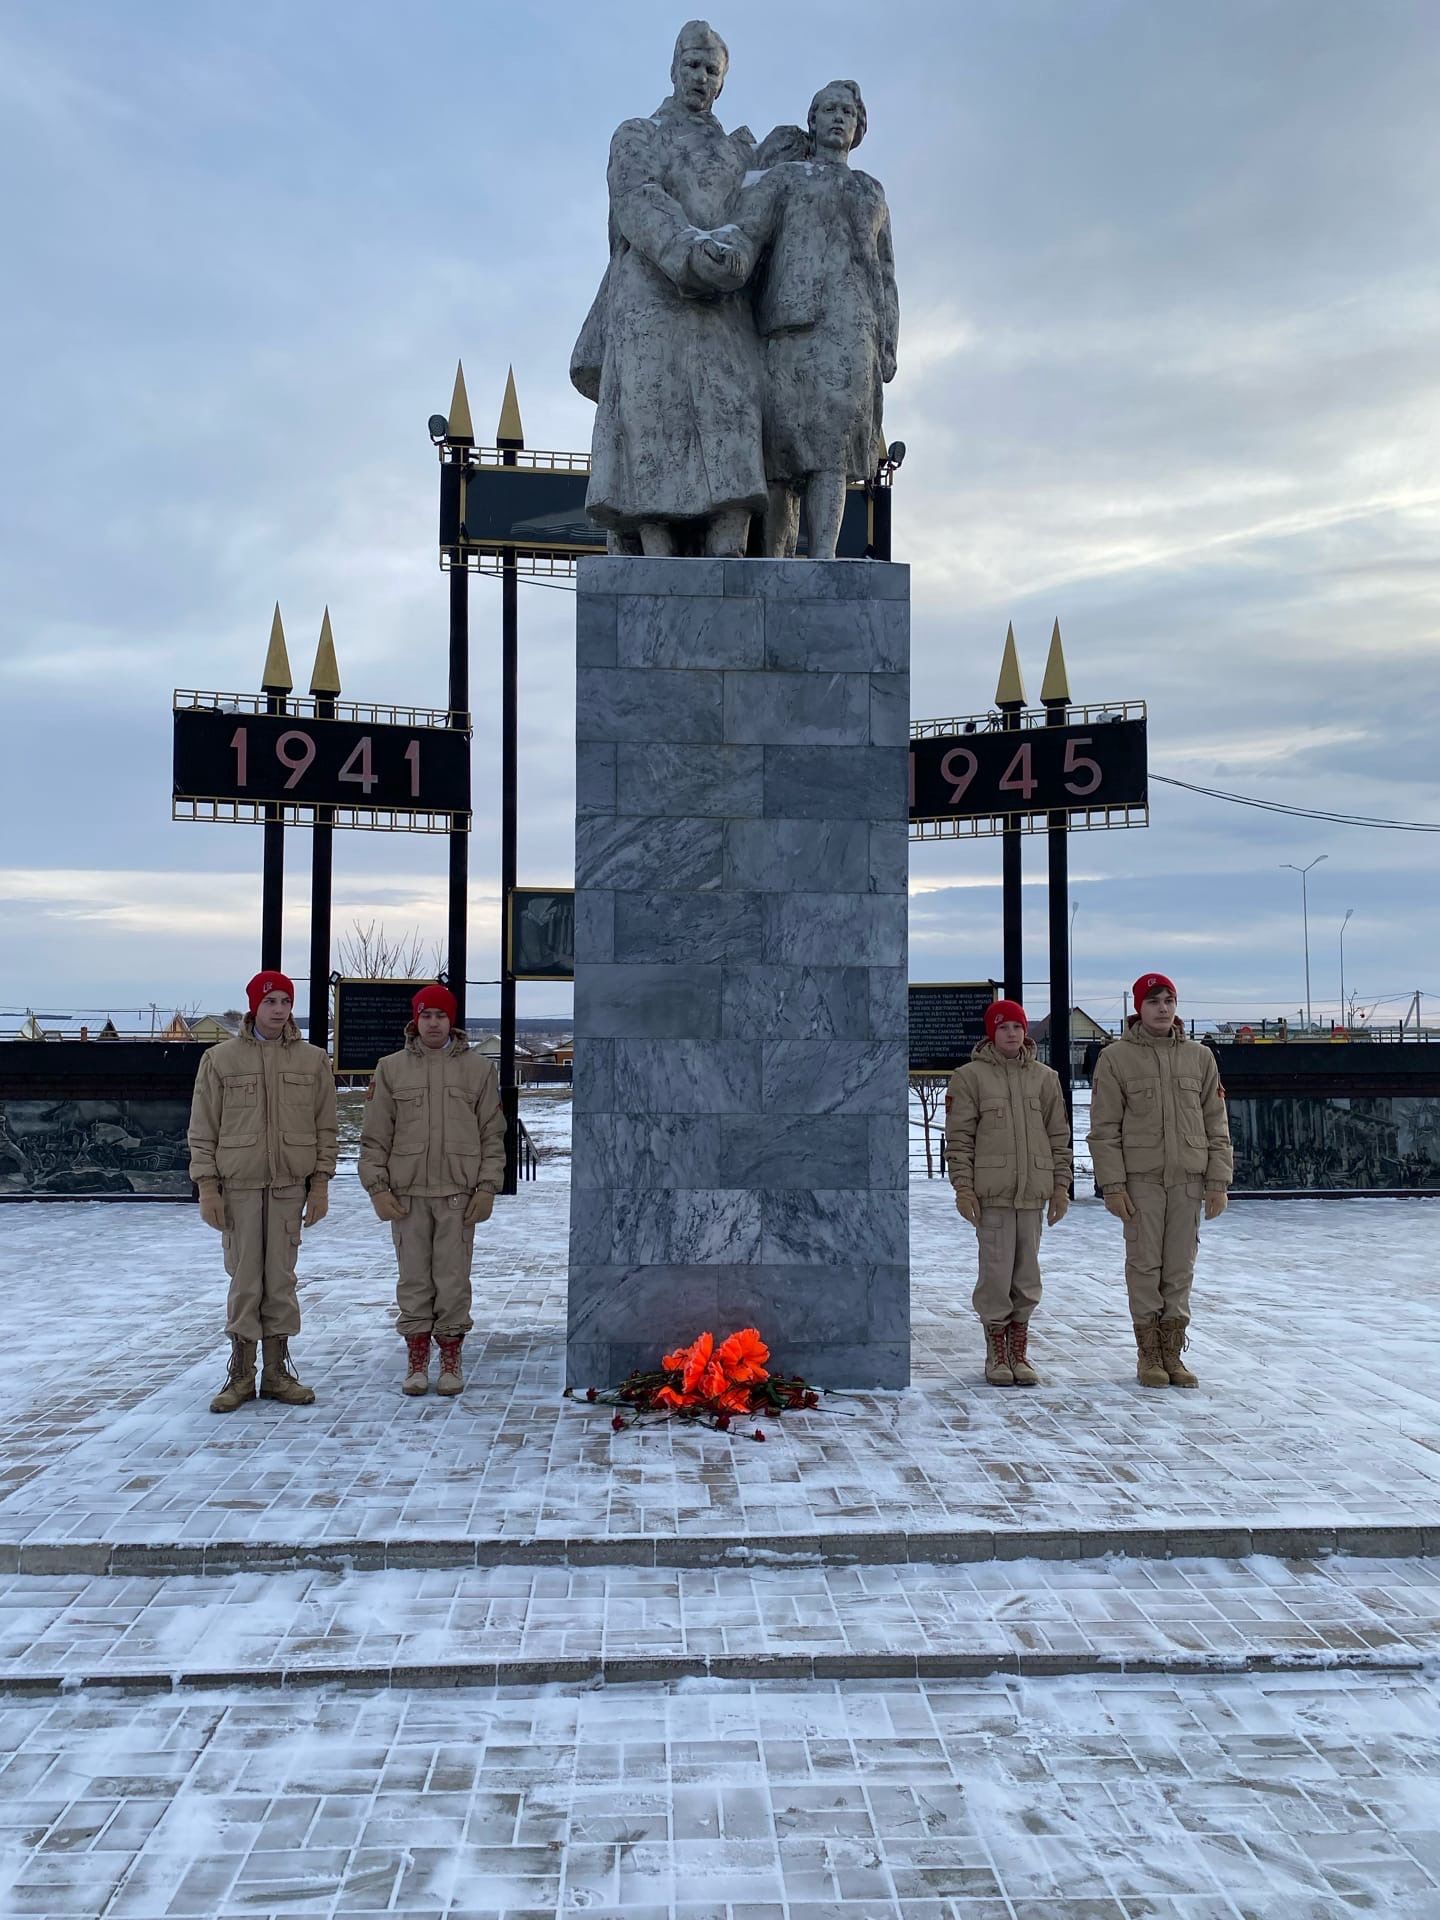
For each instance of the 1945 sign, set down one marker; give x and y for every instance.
(305, 760)
(1094, 766)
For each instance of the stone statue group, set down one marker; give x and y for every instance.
(747, 321)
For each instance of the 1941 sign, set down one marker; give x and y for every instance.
(300, 759)
(1096, 766)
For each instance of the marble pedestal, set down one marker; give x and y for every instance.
(740, 1122)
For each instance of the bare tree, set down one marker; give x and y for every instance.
(929, 1091)
(373, 953)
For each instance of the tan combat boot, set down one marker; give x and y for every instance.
(1172, 1344)
(240, 1380)
(417, 1377)
(997, 1353)
(1024, 1374)
(1150, 1370)
(451, 1379)
(278, 1379)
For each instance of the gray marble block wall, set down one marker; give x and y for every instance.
(740, 1121)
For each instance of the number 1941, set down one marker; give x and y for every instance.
(295, 750)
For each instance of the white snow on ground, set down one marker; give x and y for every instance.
(1037, 1613)
(1289, 1798)
(1316, 1336)
(1171, 1795)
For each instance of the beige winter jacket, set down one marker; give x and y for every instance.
(434, 1124)
(1007, 1138)
(1157, 1110)
(263, 1112)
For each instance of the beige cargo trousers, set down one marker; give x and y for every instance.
(435, 1251)
(1008, 1287)
(1161, 1242)
(261, 1245)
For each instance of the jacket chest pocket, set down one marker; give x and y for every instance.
(1187, 1105)
(1142, 1114)
(462, 1129)
(295, 1089)
(992, 1134)
(1041, 1152)
(240, 1106)
(410, 1122)
(297, 1109)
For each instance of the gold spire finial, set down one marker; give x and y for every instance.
(457, 422)
(1056, 684)
(510, 433)
(325, 674)
(276, 677)
(1010, 692)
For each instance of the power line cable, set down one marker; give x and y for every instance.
(1303, 813)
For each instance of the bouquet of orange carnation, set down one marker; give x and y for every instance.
(710, 1383)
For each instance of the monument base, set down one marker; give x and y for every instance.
(741, 1140)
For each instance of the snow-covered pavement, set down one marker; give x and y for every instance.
(1288, 1798)
(1316, 1337)
(521, 1624)
(918, 1656)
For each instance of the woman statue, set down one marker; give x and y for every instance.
(827, 310)
(669, 351)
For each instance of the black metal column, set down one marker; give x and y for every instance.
(272, 881)
(1058, 844)
(1011, 882)
(457, 924)
(509, 816)
(322, 867)
(881, 519)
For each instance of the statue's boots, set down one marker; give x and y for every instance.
(1150, 1369)
(240, 1380)
(1172, 1344)
(997, 1354)
(417, 1376)
(451, 1379)
(278, 1379)
(1024, 1374)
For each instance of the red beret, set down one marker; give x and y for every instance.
(270, 982)
(438, 997)
(999, 1010)
(1149, 983)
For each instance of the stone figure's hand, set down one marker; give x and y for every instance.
(967, 1206)
(716, 266)
(482, 1205)
(389, 1206)
(1058, 1208)
(1216, 1201)
(887, 364)
(1120, 1204)
(212, 1205)
(318, 1203)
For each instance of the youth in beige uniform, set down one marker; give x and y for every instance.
(262, 1153)
(432, 1158)
(1160, 1141)
(1007, 1149)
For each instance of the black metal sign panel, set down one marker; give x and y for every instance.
(305, 761)
(370, 1019)
(1032, 770)
(534, 511)
(542, 510)
(540, 933)
(946, 1020)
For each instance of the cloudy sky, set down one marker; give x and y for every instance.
(1169, 371)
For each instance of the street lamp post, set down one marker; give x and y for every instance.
(1344, 1015)
(1305, 914)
